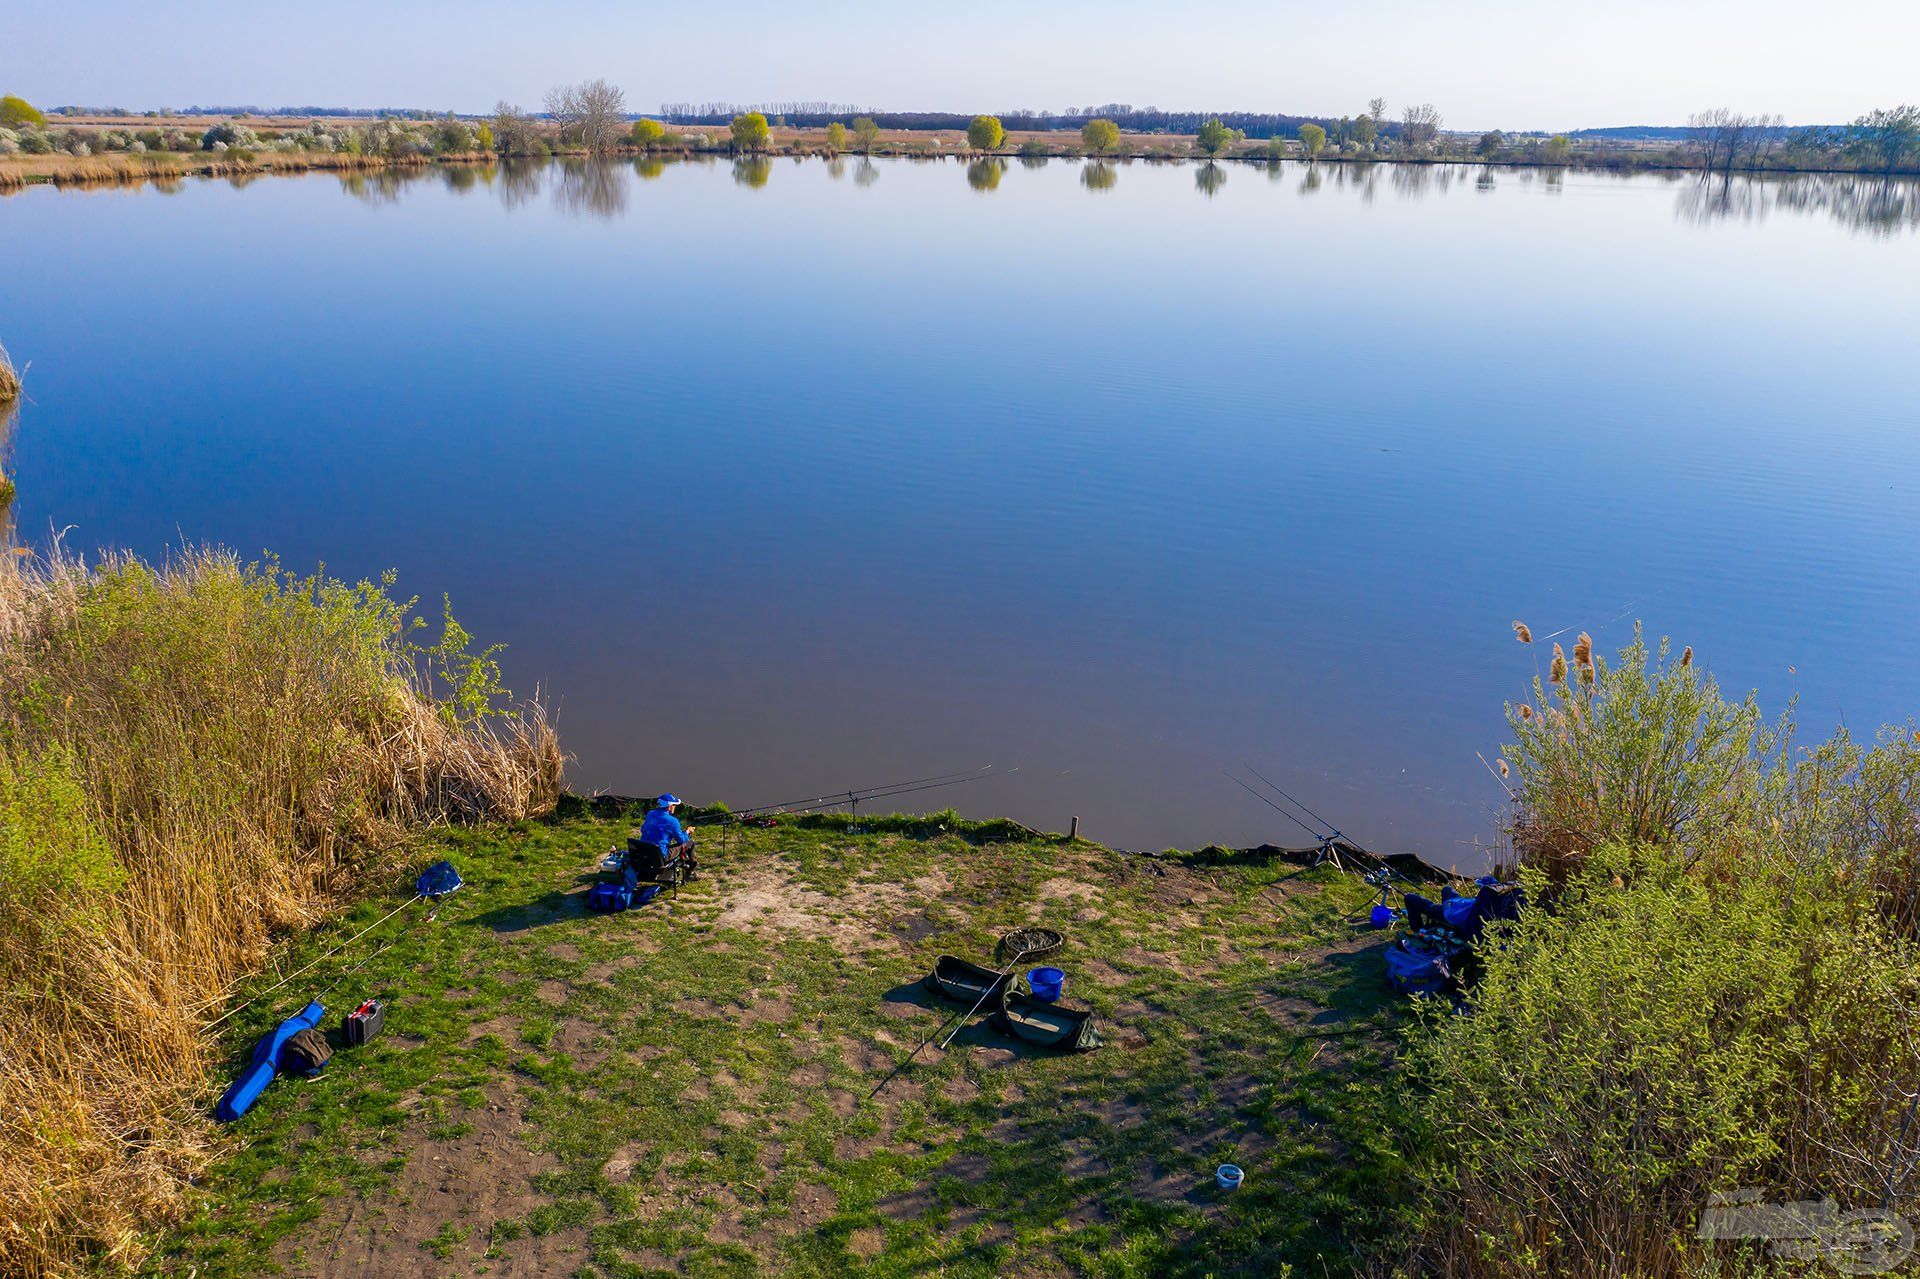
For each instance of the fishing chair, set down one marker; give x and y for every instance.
(650, 863)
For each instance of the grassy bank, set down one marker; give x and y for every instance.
(194, 759)
(685, 1089)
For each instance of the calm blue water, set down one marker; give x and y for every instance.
(862, 474)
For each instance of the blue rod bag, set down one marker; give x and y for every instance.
(253, 1081)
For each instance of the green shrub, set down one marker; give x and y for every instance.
(1661, 1034)
(1715, 989)
(57, 871)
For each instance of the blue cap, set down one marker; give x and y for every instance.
(664, 800)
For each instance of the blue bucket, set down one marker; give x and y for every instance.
(1046, 983)
(1229, 1176)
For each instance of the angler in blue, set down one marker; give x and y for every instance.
(663, 828)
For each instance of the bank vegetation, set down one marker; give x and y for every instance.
(195, 758)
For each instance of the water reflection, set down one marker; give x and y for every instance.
(598, 190)
(519, 182)
(985, 175)
(1874, 206)
(463, 178)
(752, 171)
(379, 186)
(1033, 162)
(1870, 204)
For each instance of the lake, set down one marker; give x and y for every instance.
(802, 476)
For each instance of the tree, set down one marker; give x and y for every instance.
(589, 113)
(1314, 139)
(512, 129)
(1420, 126)
(1099, 136)
(749, 132)
(1558, 149)
(1377, 117)
(865, 134)
(1490, 143)
(1276, 147)
(17, 113)
(647, 133)
(1214, 137)
(1366, 132)
(985, 133)
(483, 136)
(836, 138)
(1887, 139)
(1723, 136)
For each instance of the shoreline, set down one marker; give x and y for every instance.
(21, 172)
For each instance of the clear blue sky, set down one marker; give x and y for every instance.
(1484, 63)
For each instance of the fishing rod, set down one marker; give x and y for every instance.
(1316, 835)
(1038, 944)
(836, 796)
(1291, 800)
(854, 798)
(1331, 838)
(434, 883)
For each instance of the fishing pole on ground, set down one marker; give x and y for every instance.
(1034, 941)
(434, 883)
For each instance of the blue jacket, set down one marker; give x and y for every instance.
(662, 827)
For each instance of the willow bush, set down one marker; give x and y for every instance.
(195, 757)
(1717, 991)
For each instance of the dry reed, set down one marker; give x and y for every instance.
(194, 758)
(9, 379)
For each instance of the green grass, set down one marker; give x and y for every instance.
(685, 1088)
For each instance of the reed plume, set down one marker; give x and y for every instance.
(1557, 672)
(9, 379)
(1521, 633)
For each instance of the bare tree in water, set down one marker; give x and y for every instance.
(592, 113)
(1726, 140)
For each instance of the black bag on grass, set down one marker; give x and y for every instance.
(306, 1053)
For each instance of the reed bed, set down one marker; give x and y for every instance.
(9, 380)
(17, 172)
(194, 758)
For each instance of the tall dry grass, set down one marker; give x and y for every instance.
(9, 380)
(194, 757)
